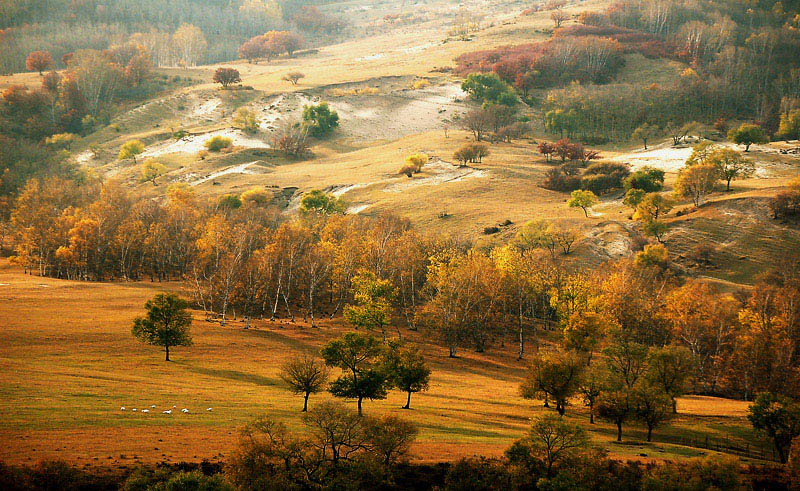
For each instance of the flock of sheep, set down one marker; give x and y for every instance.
(168, 411)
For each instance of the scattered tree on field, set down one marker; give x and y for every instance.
(583, 200)
(553, 440)
(554, 375)
(748, 134)
(779, 418)
(304, 375)
(218, 143)
(226, 77)
(651, 406)
(152, 170)
(406, 370)
(372, 298)
(293, 77)
(696, 182)
(245, 120)
(644, 133)
(38, 61)
(357, 355)
(669, 369)
(166, 323)
(319, 202)
(320, 119)
(731, 165)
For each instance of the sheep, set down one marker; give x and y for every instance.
(168, 411)
(122, 408)
(153, 406)
(145, 410)
(209, 409)
(134, 410)
(184, 410)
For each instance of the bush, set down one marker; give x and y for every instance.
(291, 139)
(245, 120)
(226, 76)
(218, 143)
(320, 119)
(408, 170)
(602, 177)
(556, 180)
(647, 179)
(471, 153)
(293, 77)
(416, 161)
(786, 204)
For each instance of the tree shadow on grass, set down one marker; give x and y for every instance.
(250, 378)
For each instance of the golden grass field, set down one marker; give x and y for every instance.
(69, 363)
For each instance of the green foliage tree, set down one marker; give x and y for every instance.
(488, 87)
(130, 149)
(616, 404)
(748, 134)
(651, 406)
(669, 369)
(61, 141)
(789, 127)
(554, 440)
(406, 370)
(648, 179)
(166, 323)
(320, 119)
(321, 203)
(583, 332)
(731, 165)
(357, 355)
(696, 182)
(554, 374)
(583, 200)
(653, 206)
(633, 197)
(590, 388)
(779, 418)
(372, 296)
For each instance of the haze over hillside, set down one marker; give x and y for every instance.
(445, 230)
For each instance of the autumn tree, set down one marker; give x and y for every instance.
(245, 120)
(650, 406)
(372, 303)
(320, 119)
(747, 134)
(696, 182)
(166, 323)
(226, 77)
(731, 165)
(583, 200)
(152, 170)
(406, 370)
(293, 77)
(583, 331)
(616, 404)
(130, 149)
(357, 355)
(38, 61)
(321, 203)
(554, 375)
(304, 375)
(190, 44)
(644, 133)
(648, 179)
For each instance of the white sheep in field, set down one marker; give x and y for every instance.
(134, 410)
(145, 410)
(168, 411)
(184, 410)
(153, 406)
(122, 408)
(209, 409)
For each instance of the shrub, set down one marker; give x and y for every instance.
(293, 77)
(255, 196)
(647, 179)
(417, 161)
(408, 170)
(291, 139)
(602, 177)
(786, 204)
(218, 143)
(320, 119)
(471, 153)
(556, 180)
(245, 120)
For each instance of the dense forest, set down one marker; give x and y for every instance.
(61, 27)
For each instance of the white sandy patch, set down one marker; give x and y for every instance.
(436, 172)
(205, 110)
(357, 209)
(340, 190)
(195, 143)
(417, 49)
(234, 169)
(84, 157)
(666, 158)
(284, 108)
(376, 56)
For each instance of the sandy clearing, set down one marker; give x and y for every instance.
(664, 157)
(436, 172)
(195, 143)
(234, 169)
(205, 110)
(84, 157)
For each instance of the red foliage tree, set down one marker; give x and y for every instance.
(227, 76)
(38, 61)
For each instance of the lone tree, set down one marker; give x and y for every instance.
(130, 149)
(304, 375)
(226, 76)
(166, 323)
(293, 77)
(152, 170)
(669, 368)
(748, 134)
(651, 407)
(357, 355)
(320, 119)
(731, 165)
(406, 370)
(38, 61)
(644, 133)
(583, 200)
